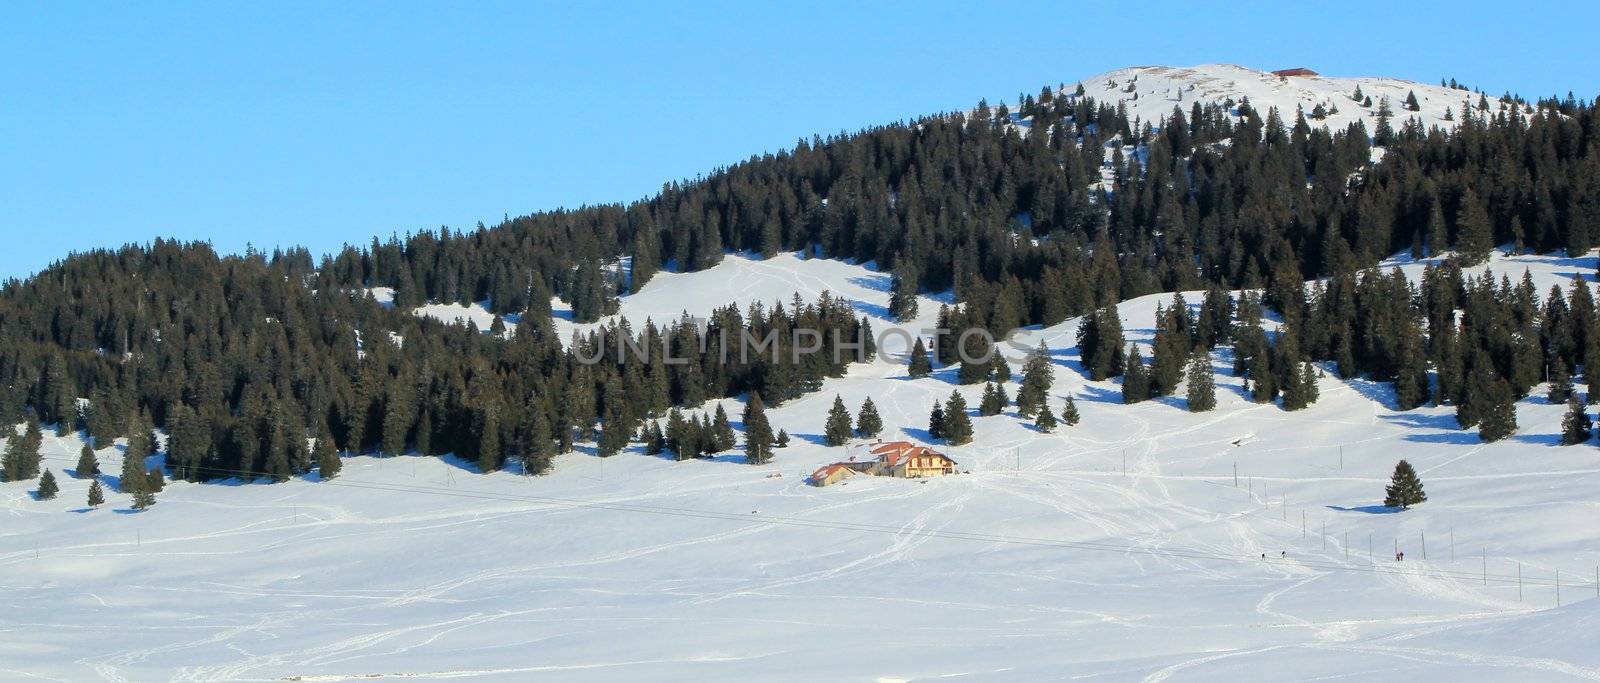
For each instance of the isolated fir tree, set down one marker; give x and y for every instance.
(327, 457)
(993, 402)
(1069, 412)
(1136, 380)
(1411, 101)
(936, 420)
(21, 460)
(88, 464)
(758, 441)
(97, 495)
(722, 436)
(1201, 389)
(1046, 421)
(1037, 377)
(679, 440)
(868, 424)
(1576, 427)
(155, 480)
(957, 426)
(47, 486)
(920, 365)
(1404, 489)
(142, 499)
(837, 430)
(783, 439)
(1560, 381)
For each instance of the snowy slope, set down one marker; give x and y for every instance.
(1120, 549)
(1157, 89)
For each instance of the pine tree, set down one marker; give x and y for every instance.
(920, 365)
(1404, 489)
(957, 426)
(155, 480)
(837, 430)
(679, 440)
(1499, 418)
(88, 464)
(1037, 377)
(993, 402)
(1474, 233)
(133, 458)
(328, 462)
(1136, 380)
(1560, 381)
(1201, 390)
(1576, 427)
(903, 294)
(783, 439)
(1411, 101)
(1069, 412)
(758, 440)
(490, 453)
(722, 436)
(1046, 422)
(936, 421)
(142, 499)
(97, 495)
(47, 486)
(868, 424)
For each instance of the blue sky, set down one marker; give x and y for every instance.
(324, 123)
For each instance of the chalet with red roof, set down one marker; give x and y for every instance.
(901, 459)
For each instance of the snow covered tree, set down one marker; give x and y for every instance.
(837, 430)
(868, 424)
(97, 495)
(1576, 427)
(920, 365)
(1201, 390)
(47, 486)
(88, 464)
(957, 426)
(1069, 412)
(1404, 489)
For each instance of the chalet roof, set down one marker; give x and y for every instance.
(827, 470)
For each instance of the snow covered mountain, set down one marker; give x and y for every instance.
(1151, 92)
(1146, 543)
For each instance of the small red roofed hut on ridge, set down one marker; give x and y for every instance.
(1297, 71)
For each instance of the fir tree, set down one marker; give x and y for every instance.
(920, 365)
(679, 440)
(97, 495)
(783, 439)
(837, 430)
(993, 403)
(1499, 417)
(1411, 101)
(758, 441)
(936, 420)
(1136, 381)
(142, 499)
(490, 453)
(957, 427)
(88, 464)
(1474, 233)
(1037, 377)
(1560, 381)
(1069, 412)
(47, 486)
(328, 462)
(133, 458)
(868, 424)
(903, 294)
(1576, 427)
(1046, 422)
(155, 480)
(722, 436)
(1201, 389)
(1404, 489)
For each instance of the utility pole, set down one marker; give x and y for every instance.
(1519, 582)
(1424, 544)
(1341, 458)
(1236, 474)
(1302, 524)
(1558, 588)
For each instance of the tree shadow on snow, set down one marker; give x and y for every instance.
(1366, 509)
(1538, 439)
(1094, 394)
